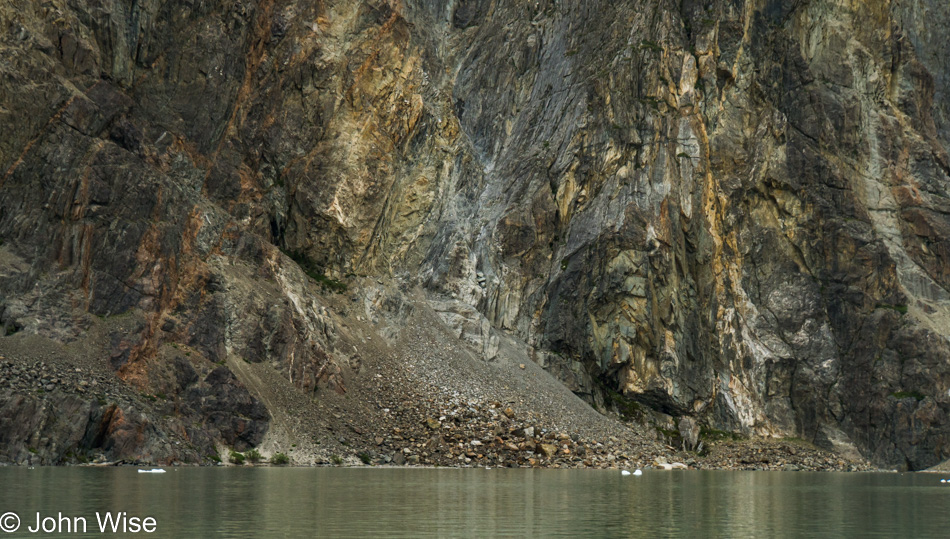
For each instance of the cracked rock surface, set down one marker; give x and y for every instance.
(235, 214)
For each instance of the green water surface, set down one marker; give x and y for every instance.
(393, 502)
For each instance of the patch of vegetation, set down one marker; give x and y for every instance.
(651, 101)
(31, 450)
(280, 459)
(213, 458)
(630, 410)
(364, 457)
(564, 262)
(80, 458)
(336, 460)
(315, 272)
(254, 456)
(651, 45)
(899, 308)
(236, 458)
(908, 394)
(795, 440)
(713, 435)
(683, 154)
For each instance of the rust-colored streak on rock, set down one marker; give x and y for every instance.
(163, 280)
(126, 437)
(256, 53)
(367, 64)
(29, 145)
(185, 147)
(85, 260)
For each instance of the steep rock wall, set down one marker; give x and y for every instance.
(730, 210)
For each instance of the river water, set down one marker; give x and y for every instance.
(395, 502)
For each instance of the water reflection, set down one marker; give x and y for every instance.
(270, 502)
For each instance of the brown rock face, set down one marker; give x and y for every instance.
(731, 211)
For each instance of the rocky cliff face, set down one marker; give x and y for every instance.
(730, 210)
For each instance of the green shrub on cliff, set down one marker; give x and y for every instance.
(315, 273)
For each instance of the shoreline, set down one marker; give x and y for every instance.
(432, 467)
(424, 413)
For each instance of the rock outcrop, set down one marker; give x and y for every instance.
(734, 212)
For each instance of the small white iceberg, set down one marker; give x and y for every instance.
(153, 470)
(625, 472)
(638, 472)
(943, 480)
